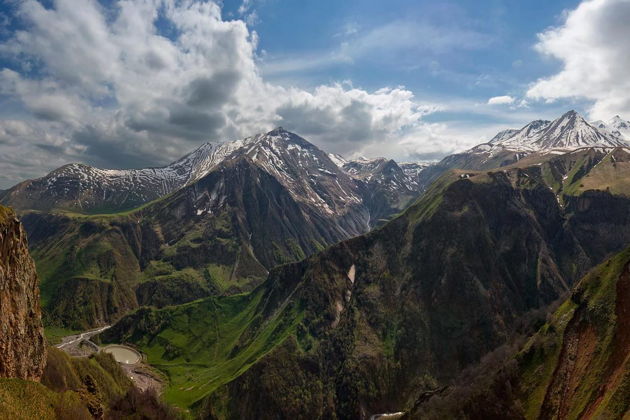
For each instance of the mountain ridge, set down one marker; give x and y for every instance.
(539, 138)
(575, 366)
(84, 189)
(568, 132)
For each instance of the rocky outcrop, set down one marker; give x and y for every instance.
(22, 344)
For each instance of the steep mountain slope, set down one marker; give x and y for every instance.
(22, 351)
(366, 325)
(538, 138)
(217, 236)
(576, 366)
(310, 176)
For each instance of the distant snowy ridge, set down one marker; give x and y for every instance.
(385, 172)
(567, 133)
(271, 150)
(616, 126)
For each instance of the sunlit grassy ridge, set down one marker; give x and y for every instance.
(25, 400)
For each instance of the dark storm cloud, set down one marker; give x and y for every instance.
(354, 120)
(101, 152)
(214, 91)
(195, 124)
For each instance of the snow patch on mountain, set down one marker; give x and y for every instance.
(337, 159)
(386, 173)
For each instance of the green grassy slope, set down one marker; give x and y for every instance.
(202, 345)
(25, 400)
(579, 364)
(91, 267)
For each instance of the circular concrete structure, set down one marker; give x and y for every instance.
(123, 354)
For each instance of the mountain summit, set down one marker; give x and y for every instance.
(570, 131)
(540, 137)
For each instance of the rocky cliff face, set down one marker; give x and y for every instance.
(22, 346)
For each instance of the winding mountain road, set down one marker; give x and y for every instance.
(76, 339)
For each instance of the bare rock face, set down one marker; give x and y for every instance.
(22, 343)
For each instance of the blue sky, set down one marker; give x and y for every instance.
(480, 52)
(136, 83)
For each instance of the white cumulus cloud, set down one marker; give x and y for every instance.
(592, 45)
(104, 85)
(501, 100)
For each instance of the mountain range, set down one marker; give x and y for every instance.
(540, 137)
(373, 323)
(308, 174)
(269, 279)
(302, 168)
(213, 222)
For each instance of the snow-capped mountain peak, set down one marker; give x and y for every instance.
(571, 131)
(568, 132)
(304, 169)
(523, 138)
(618, 122)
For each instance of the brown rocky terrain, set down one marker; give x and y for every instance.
(22, 343)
